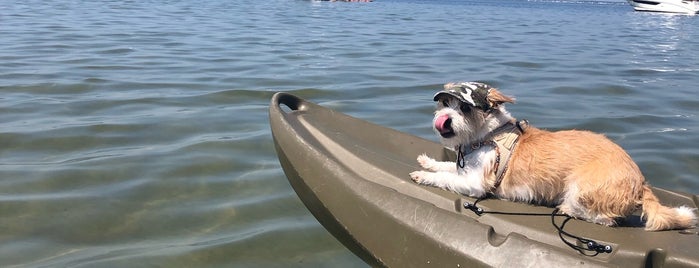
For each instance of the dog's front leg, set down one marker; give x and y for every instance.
(466, 184)
(430, 164)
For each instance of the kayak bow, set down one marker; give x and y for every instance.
(353, 177)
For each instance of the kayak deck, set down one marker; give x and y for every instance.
(353, 177)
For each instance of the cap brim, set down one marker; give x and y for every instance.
(453, 94)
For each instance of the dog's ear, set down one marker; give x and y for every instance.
(496, 98)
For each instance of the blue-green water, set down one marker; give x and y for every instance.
(135, 133)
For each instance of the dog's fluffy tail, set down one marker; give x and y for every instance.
(659, 217)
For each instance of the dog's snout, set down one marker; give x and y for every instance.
(443, 125)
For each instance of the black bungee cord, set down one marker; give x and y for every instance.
(592, 248)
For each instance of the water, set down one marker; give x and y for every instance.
(135, 133)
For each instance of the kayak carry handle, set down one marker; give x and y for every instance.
(292, 102)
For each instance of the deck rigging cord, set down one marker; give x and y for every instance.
(591, 247)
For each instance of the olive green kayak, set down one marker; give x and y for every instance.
(353, 177)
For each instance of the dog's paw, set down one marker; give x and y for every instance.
(433, 165)
(419, 176)
(426, 162)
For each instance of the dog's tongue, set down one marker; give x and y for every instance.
(439, 123)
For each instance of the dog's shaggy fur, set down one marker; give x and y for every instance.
(585, 174)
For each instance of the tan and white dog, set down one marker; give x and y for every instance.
(584, 174)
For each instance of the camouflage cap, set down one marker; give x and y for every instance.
(472, 93)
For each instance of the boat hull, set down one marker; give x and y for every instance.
(352, 175)
(668, 6)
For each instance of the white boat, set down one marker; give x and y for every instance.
(671, 6)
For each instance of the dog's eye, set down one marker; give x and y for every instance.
(445, 102)
(465, 108)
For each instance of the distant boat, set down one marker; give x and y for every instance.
(670, 6)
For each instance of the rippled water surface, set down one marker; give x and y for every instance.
(135, 133)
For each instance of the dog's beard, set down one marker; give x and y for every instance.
(466, 128)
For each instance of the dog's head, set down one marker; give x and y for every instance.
(468, 111)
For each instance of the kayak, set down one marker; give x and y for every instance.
(352, 175)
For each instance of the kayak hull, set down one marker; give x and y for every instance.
(352, 175)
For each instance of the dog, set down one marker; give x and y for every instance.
(584, 174)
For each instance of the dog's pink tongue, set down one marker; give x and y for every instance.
(439, 123)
